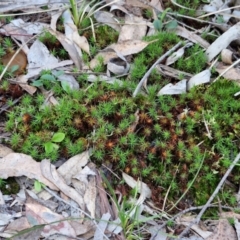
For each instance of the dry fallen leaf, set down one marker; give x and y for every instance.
(134, 28)
(200, 78)
(108, 19)
(141, 187)
(4, 151)
(73, 166)
(187, 220)
(90, 196)
(38, 214)
(102, 226)
(39, 58)
(232, 73)
(49, 171)
(223, 41)
(223, 231)
(170, 89)
(191, 36)
(124, 48)
(18, 164)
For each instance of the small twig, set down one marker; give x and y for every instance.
(191, 209)
(197, 219)
(15, 54)
(206, 126)
(154, 65)
(5, 107)
(219, 11)
(227, 69)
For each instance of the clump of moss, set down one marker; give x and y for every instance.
(150, 137)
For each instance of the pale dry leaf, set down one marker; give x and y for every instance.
(137, 3)
(108, 19)
(227, 215)
(115, 226)
(90, 196)
(226, 56)
(33, 234)
(169, 71)
(124, 48)
(4, 151)
(134, 28)
(18, 164)
(119, 7)
(175, 56)
(55, 16)
(200, 78)
(223, 231)
(232, 73)
(141, 187)
(83, 228)
(50, 100)
(129, 47)
(98, 235)
(111, 80)
(118, 65)
(69, 47)
(18, 225)
(157, 5)
(39, 58)
(170, 89)
(223, 41)
(157, 234)
(20, 4)
(237, 227)
(83, 174)
(191, 36)
(73, 166)
(81, 41)
(22, 81)
(106, 56)
(38, 214)
(5, 218)
(178, 54)
(71, 32)
(187, 220)
(49, 171)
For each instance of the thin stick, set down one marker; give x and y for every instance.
(227, 69)
(198, 218)
(153, 66)
(191, 209)
(15, 54)
(219, 11)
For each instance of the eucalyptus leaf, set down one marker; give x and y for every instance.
(58, 137)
